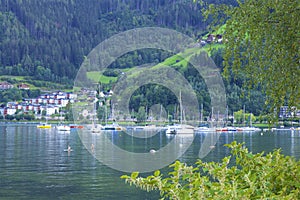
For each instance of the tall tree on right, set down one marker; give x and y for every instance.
(262, 42)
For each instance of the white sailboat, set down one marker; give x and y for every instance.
(96, 128)
(111, 127)
(248, 128)
(180, 128)
(62, 127)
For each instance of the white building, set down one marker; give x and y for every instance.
(50, 110)
(1, 111)
(9, 111)
(71, 96)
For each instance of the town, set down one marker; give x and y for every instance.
(44, 105)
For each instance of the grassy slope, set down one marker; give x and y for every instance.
(96, 76)
(180, 60)
(24, 79)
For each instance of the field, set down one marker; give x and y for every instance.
(97, 76)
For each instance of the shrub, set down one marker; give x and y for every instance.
(242, 175)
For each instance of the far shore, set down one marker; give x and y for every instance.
(158, 123)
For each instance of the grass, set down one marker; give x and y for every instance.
(97, 76)
(179, 61)
(108, 79)
(15, 80)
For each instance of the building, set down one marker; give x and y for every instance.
(23, 86)
(51, 103)
(287, 112)
(7, 111)
(5, 85)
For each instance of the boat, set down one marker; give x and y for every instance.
(205, 129)
(43, 125)
(96, 128)
(76, 126)
(113, 127)
(226, 129)
(250, 129)
(146, 128)
(180, 129)
(62, 127)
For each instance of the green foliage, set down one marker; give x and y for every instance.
(15, 94)
(241, 117)
(243, 175)
(12, 94)
(69, 112)
(101, 113)
(141, 114)
(262, 43)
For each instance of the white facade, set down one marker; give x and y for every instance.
(11, 111)
(52, 110)
(51, 103)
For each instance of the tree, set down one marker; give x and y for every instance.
(69, 113)
(262, 42)
(44, 113)
(241, 117)
(101, 113)
(243, 175)
(9, 117)
(141, 115)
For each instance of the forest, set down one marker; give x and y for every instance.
(47, 40)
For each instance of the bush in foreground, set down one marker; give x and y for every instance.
(248, 176)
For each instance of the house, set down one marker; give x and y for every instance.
(29, 107)
(36, 108)
(17, 106)
(219, 38)
(23, 86)
(50, 110)
(5, 85)
(8, 111)
(63, 102)
(71, 96)
(210, 38)
(45, 96)
(203, 42)
(287, 112)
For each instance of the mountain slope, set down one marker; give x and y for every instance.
(57, 34)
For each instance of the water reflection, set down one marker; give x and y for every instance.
(127, 153)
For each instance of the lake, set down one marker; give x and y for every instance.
(34, 164)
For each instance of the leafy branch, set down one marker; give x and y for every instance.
(243, 175)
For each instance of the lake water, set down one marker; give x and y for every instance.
(34, 165)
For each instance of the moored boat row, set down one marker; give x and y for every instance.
(59, 127)
(240, 129)
(169, 129)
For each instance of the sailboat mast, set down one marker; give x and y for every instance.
(201, 114)
(244, 113)
(180, 107)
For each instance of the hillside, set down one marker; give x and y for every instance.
(46, 41)
(57, 34)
